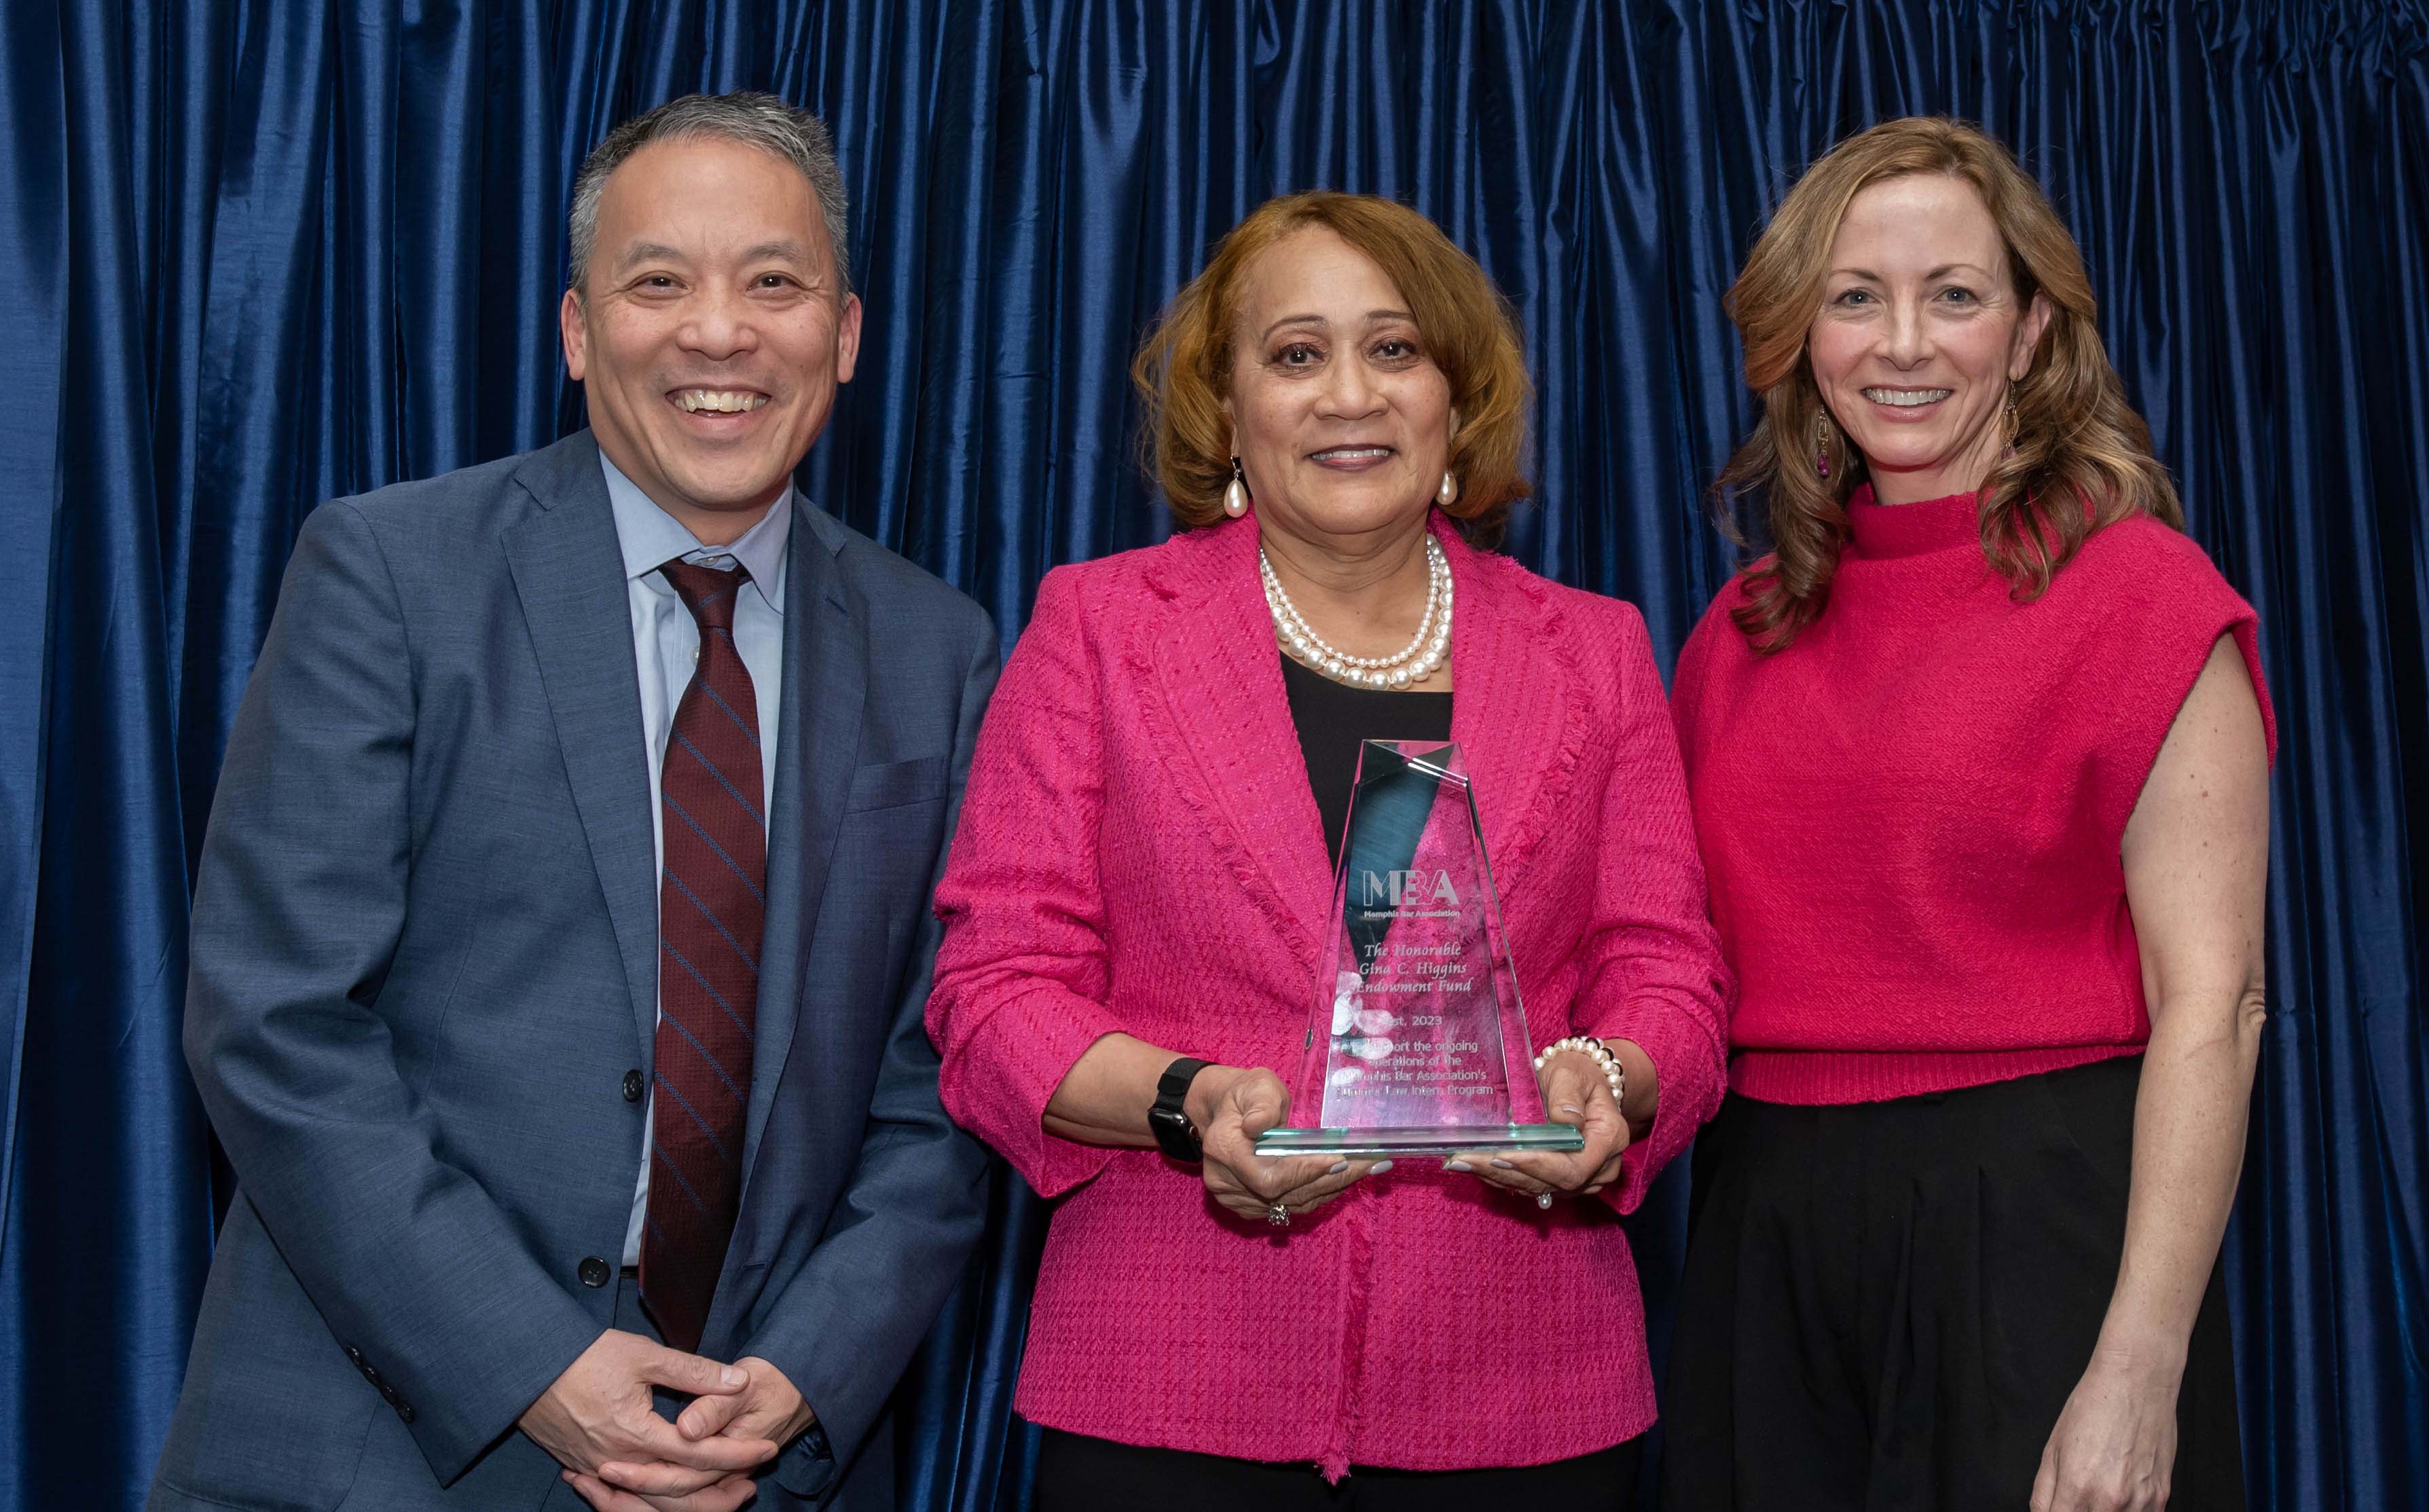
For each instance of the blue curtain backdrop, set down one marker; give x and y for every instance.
(255, 252)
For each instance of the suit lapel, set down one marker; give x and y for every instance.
(569, 573)
(1227, 736)
(1518, 715)
(825, 681)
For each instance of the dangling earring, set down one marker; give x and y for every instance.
(1235, 493)
(2009, 451)
(1822, 442)
(1447, 494)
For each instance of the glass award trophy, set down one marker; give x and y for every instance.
(1418, 1044)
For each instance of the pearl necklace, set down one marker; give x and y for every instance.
(1413, 663)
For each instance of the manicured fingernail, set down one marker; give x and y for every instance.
(1336, 1168)
(1504, 1165)
(1572, 1108)
(1379, 1168)
(732, 1376)
(1457, 1165)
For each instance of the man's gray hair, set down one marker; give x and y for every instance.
(754, 120)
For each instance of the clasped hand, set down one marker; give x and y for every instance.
(599, 1420)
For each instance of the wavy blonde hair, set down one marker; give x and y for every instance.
(1183, 370)
(2081, 457)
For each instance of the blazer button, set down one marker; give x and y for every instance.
(405, 1412)
(632, 1086)
(594, 1271)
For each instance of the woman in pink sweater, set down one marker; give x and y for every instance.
(1137, 897)
(1979, 759)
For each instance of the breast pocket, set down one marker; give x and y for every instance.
(894, 785)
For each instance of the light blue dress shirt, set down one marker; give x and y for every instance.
(666, 644)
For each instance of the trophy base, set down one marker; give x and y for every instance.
(1560, 1139)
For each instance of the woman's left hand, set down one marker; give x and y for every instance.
(2114, 1449)
(1574, 1092)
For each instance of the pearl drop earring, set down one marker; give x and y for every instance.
(1447, 494)
(1235, 494)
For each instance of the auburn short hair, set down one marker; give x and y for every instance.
(1183, 371)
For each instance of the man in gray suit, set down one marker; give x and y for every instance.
(562, 931)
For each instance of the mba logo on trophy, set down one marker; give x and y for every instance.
(1397, 888)
(1418, 1043)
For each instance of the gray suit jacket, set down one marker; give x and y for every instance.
(424, 962)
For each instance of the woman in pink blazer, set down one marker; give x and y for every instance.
(1135, 909)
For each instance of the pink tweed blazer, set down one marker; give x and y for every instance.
(1139, 851)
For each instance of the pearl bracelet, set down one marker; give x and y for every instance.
(1586, 1045)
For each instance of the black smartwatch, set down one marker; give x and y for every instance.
(1174, 1133)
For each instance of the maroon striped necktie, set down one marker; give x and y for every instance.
(712, 912)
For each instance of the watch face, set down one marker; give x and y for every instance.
(1174, 1134)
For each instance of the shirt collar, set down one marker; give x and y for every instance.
(651, 537)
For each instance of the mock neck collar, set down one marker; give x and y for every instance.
(1912, 530)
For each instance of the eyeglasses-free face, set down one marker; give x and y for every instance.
(710, 338)
(1340, 419)
(1920, 334)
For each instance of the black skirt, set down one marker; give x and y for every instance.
(1886, 1305)
(1078, 1473)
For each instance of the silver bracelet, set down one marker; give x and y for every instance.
(1586, 1045)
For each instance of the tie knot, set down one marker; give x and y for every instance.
(707, 592)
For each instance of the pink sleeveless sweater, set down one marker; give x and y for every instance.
(1911, 818)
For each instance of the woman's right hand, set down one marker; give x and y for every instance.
(1232, 1106)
